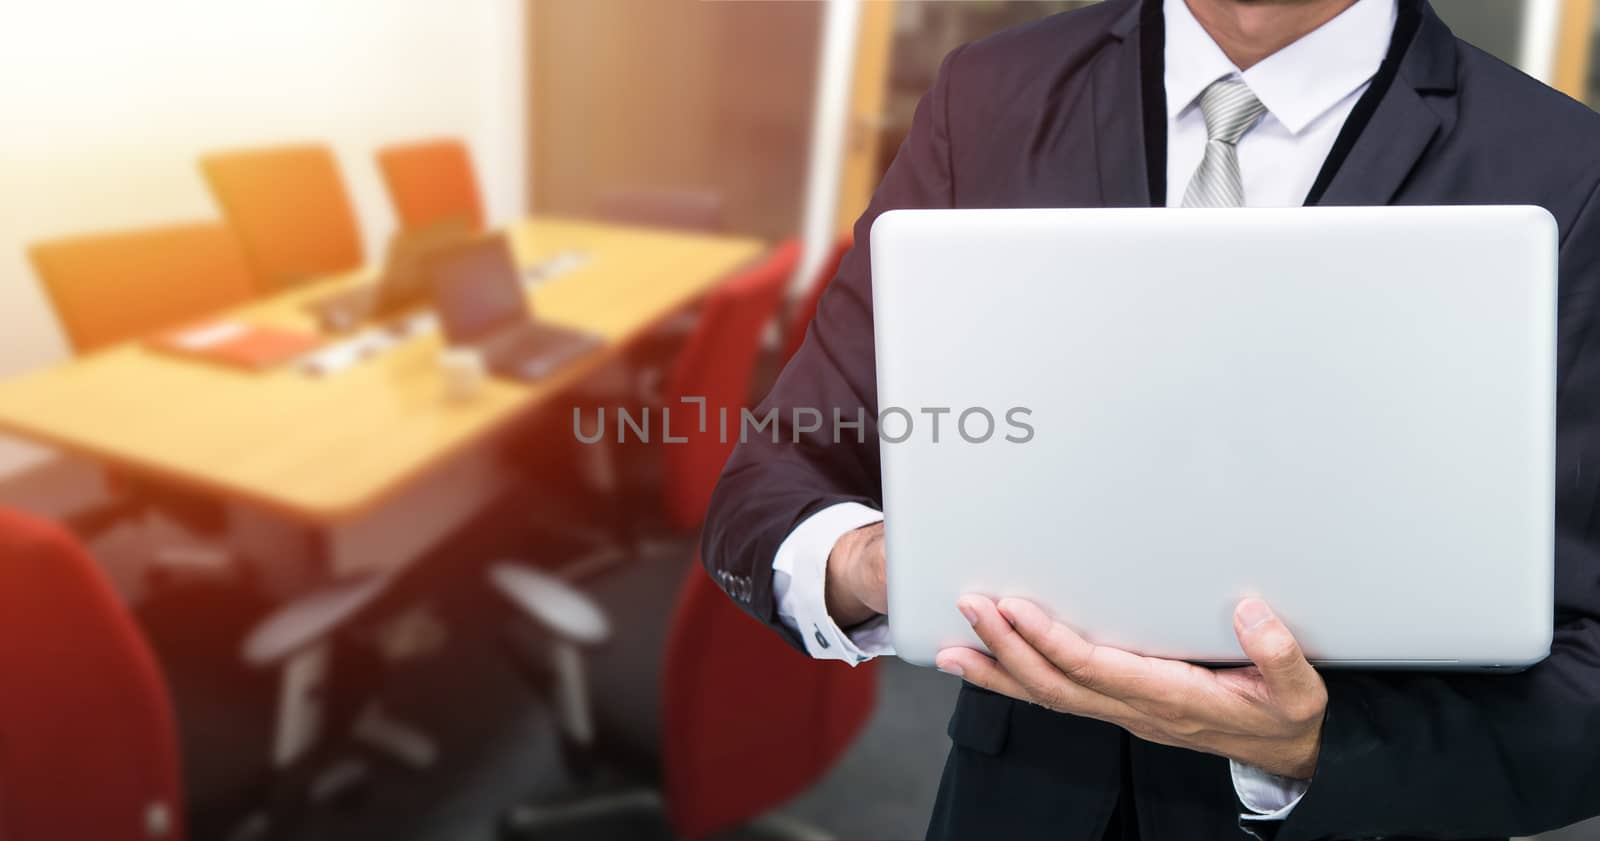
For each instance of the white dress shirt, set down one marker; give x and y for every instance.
(1309, 89)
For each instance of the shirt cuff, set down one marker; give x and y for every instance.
(799, 576)
(1269, 797)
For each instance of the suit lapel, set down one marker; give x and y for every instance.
(1418, 105)
(1389, 147)
(1119, 139)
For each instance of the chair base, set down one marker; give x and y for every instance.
(635, 815)
(394, 738)
(342, 780)
(630, 813)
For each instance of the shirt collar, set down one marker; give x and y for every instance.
(1298, 83)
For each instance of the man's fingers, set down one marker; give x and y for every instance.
(1044, 683)
(1109, 671)
(1069, 652)
(979, 669)
(1290, 680)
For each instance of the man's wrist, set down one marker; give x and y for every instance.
(799, 587)
(839, 584)
(1306, 766)
(1298, 762)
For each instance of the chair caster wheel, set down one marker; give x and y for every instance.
(520, 823)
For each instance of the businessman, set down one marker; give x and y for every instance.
(1203, 103)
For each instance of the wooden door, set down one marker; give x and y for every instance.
(1572, 58)
(861, 169)
(673, 94)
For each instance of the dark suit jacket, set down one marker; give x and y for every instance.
(1049, 115)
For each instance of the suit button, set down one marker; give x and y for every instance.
(821, 640)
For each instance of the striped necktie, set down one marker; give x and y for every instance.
(1230, 110)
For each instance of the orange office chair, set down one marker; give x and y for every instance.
(805, 308)
(290, 210)
(430, 182)
(90, 741)
(107, 288)
(110, 288)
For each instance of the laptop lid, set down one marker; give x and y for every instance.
(1144, 415)
(405, 282)
(477, 290)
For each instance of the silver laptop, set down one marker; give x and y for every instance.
(1145, 415)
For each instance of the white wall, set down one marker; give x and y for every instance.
(104, 107)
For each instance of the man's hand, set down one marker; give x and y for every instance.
(1268, 715)
(856, 588)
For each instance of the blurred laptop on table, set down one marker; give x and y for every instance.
(481, 302)
(403, 285)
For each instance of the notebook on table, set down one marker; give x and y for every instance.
(236, 344)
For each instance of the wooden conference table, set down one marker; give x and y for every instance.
(373, 462)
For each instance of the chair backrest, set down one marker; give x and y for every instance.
(107, 288)
(805, 308)
(289, 207)
(684, 209)
(88, 744)
(717, 364)
(747, 721)
(431, 181)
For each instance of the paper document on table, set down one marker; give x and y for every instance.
(237, 344)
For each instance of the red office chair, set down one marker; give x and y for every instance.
(744, 721)
(430, 182)
(749, 722)
(88, 744)
(741, 721)
(717, 364)
(805, 308)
